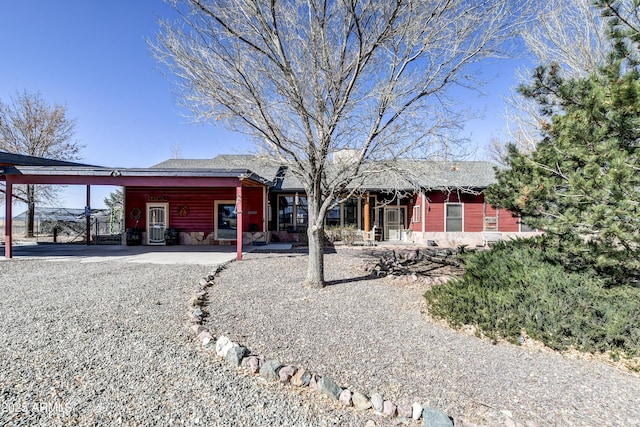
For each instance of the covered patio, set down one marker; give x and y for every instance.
(18, 169)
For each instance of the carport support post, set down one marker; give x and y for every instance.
(239, 223)
(87, 214)
(8, 221)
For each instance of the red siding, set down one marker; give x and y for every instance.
(435, 212)
(491, 211)
(473, 213)
(200, 203)
(507, 222)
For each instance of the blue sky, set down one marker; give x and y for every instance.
(93, 56)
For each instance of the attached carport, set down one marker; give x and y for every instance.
(17, 169)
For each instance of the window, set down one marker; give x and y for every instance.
(333, 217)
(293, 213)
(285, 212)
(302, 213)
(416, 214)
(226, 222)
(525, 228)
(453, 217)
(351, 212)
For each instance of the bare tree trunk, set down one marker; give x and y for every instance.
(31, 210)
(315, 236)
(315, 267)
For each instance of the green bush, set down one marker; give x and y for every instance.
(520, 286)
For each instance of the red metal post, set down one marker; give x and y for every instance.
(8, 223)
(239, 223)
(88, 214)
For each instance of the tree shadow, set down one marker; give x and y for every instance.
(351, 280)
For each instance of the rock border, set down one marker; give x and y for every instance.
(240, 356)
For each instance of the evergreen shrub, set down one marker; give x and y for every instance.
(520, 287)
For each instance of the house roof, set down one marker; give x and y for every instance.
(404, 174)
(96, 175)
(377, 176)
(261, 166)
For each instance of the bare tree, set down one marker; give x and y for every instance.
(310, 78)
(570, 33)
(30, 126)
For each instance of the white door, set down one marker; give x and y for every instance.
(157, 220)
(393, 222)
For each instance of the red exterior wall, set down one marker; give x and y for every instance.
(200, 203)
(473, 213)
(507, 222)
(435, 212)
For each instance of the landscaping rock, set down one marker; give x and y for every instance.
(435, 418)
(360, 401)
(389, 408)
(313, 382)
(270, 369)
(251, 363)
(345, 397)
(301, 378)
(209, 346)
(405, 411)
(235, 354)
(417, 411)
(196, 301)
(197, 329)
(286, 372)
(327, 386)
(197, 312)
(205, 335)
(221, 343)
(377, 401)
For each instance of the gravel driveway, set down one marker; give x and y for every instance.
(106, 343)
(370, 335)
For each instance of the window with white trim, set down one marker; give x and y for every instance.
(416, 214)
(453, 217)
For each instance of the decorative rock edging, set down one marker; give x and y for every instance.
(239, 356)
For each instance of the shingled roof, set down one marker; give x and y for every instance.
(258, 165)
(404, 174)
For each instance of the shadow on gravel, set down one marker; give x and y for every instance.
(350, 280)
(293, 250)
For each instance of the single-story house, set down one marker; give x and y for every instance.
(233, 198)
(436, 202)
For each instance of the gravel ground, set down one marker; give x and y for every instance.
(371, 335)
(107, 343)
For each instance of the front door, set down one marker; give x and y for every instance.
(226, 220)
(393, 222)
(157, 220)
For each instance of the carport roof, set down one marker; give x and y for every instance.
(10, 159)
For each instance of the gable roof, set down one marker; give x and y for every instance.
(405, 174)
(260, 166)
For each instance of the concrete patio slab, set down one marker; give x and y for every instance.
(202, 255)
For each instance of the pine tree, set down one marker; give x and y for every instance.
(582, 183)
